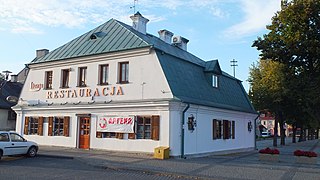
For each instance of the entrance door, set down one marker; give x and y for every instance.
(84, 133)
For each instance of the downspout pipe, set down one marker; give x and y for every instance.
(182, 131)
(255, 131)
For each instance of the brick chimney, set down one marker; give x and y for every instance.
(41, 52)
(165, 35)
(139, 23)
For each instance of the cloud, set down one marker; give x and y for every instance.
(68, 13)
(258, 14)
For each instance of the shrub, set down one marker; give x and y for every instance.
(269, 151)
(305, 153)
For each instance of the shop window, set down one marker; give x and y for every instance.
(217, 129)
(33, 126)
(109, 135)
(65, 78)
(124, 72)
(147, 127)
(48, 79)
(82, 78)
(103, 74)
(58, 126)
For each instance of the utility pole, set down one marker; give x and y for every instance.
(234, 64)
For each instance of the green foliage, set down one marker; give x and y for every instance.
(294, 41)
(267, 85)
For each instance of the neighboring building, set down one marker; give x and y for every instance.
(267, 123)
(7, 115)
(118, 88)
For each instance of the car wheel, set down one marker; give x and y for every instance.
(1, 154)
(32, 152)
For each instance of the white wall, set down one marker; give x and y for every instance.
(143, 95)
(146, 79)
(200, 140)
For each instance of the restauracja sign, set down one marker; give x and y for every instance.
(84, 92)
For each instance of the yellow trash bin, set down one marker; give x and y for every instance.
(161, 152)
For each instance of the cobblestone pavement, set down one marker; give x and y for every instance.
(231, 166)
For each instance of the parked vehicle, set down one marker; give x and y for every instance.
(12, 143)
(266, 134)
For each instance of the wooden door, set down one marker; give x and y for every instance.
(84, 133)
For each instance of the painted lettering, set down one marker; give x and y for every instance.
(88, 92)
(49, 94)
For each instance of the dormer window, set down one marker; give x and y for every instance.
(215, 81)
(97, 35)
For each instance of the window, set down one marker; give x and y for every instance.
(59, 126)
(16, 138)
(109, 135)
(4, 137)
(214, 80)
(33, 126)
(147, 127)
(143, 127)
(65, 78)
(223, 129)
(217, 129)
(82, 80)
(124, 72)
(104, 74)
(11, 115)
(48, 80)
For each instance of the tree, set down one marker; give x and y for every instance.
(268, 91)
(294, 40)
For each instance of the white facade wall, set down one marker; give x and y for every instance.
(147, 93)
(201, 141)
(140, 97)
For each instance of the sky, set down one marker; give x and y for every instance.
(216, 29)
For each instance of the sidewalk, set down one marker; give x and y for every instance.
(232, 166)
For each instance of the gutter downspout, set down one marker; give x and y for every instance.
(255, 132)
(182, 131)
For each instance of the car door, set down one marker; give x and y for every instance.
(5, 144)
(18, 144)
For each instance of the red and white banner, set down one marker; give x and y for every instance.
(115, 124)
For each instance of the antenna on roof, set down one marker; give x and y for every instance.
(134, 6)
(233, 64)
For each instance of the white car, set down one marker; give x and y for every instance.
(12, 143)
(265, 134)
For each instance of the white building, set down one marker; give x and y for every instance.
(118, 88)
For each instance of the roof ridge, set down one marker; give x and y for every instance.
(129, 30)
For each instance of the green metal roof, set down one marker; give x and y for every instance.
(188, 76)
(189, 83)
(109, 37)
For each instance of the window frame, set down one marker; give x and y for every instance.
(103, 75)
(65, 78)
(48, 79)
(217, 127)
(82, 76)
(123, 72)
(215, 81)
